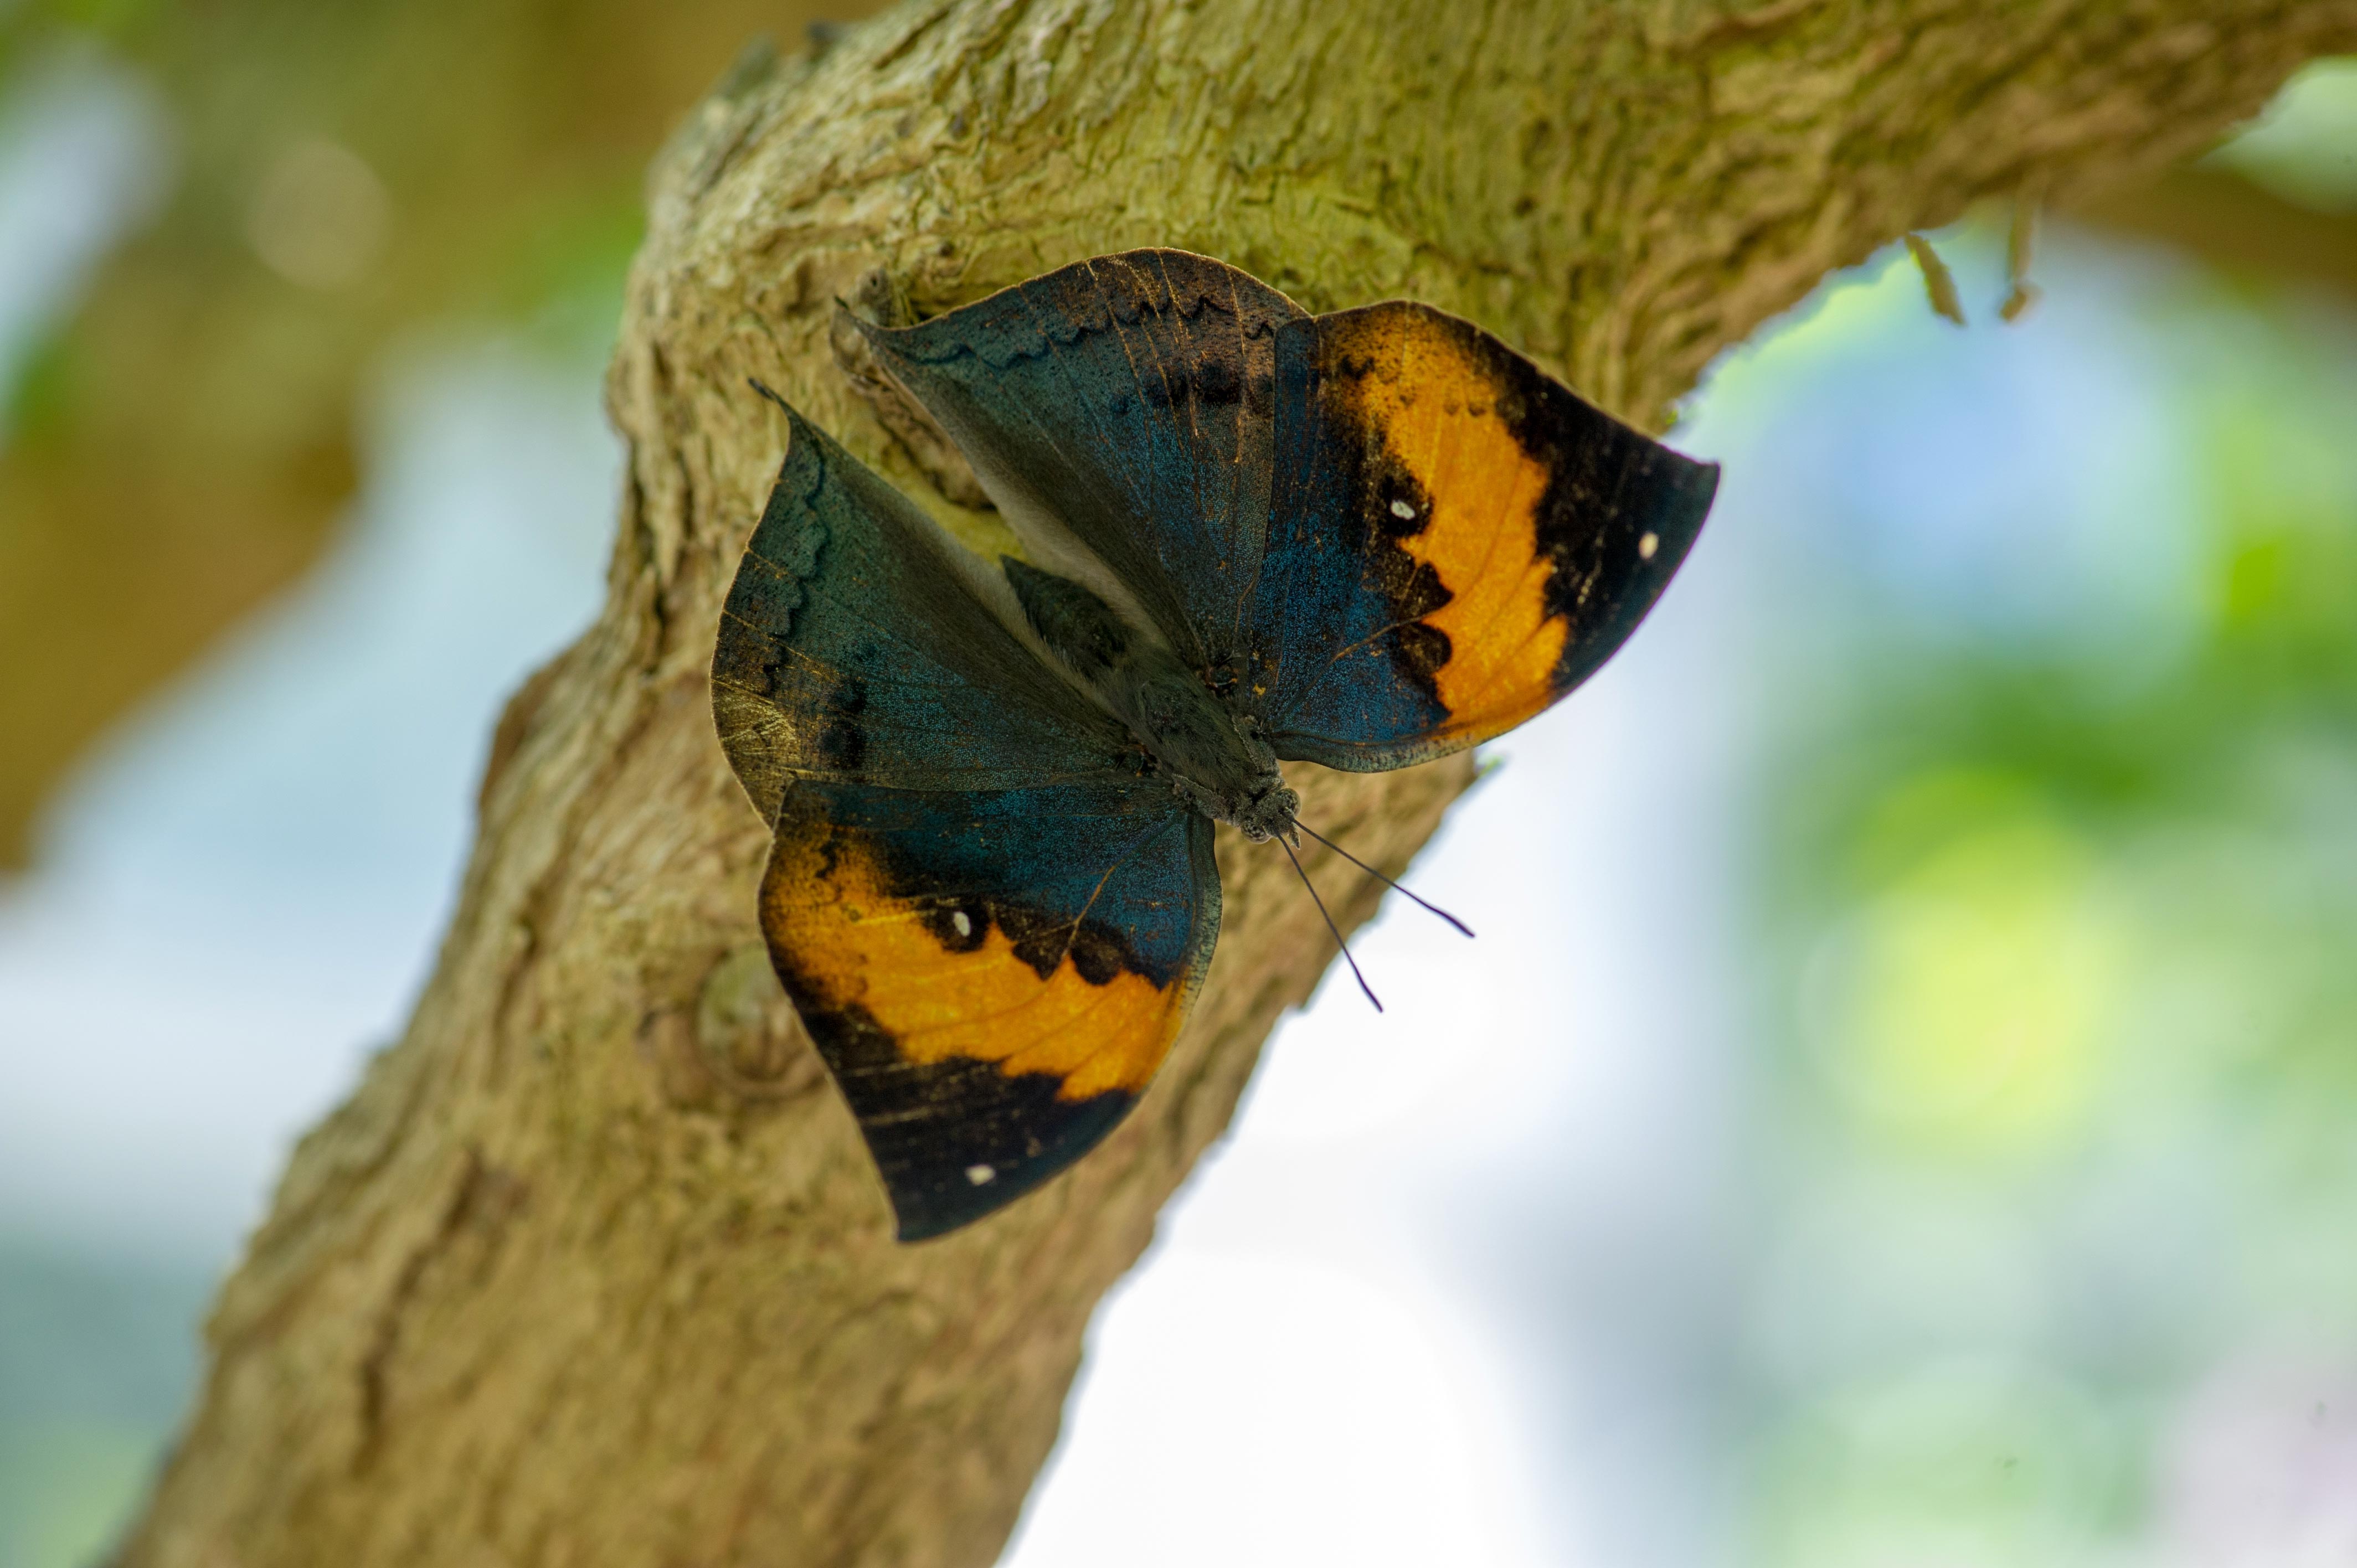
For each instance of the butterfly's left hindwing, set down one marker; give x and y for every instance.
(994, 978)
(1456, 540)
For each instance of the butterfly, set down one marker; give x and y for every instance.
(1251, 536)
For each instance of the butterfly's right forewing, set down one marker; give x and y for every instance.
(1457, 541)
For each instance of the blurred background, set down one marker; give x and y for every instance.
(1899, 1110)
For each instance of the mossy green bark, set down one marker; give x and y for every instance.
(592, 1268)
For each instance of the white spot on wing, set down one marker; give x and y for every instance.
(1647, 546)
(965, 924)
(1401, 509)
(980, 1175)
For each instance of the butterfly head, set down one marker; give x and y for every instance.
(1262, 808)
(1267, 812)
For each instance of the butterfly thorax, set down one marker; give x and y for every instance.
(1211, 755)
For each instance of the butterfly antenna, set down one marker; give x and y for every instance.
(1354, 859)
(1329, 922)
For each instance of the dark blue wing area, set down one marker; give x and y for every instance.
(1381, 534)
(1458, 539)
(856, 646)
(1124, 401)
(990, 917)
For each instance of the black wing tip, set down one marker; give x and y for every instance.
(912, 1226)
(938, 1208)
(948, 1193)
(1684, 503)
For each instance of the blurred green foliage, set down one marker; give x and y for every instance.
(2057, 937)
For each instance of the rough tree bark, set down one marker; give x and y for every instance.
(592, 1267)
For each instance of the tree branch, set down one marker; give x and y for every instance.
(592, 1268)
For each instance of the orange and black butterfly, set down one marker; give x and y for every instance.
(1253, 535)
